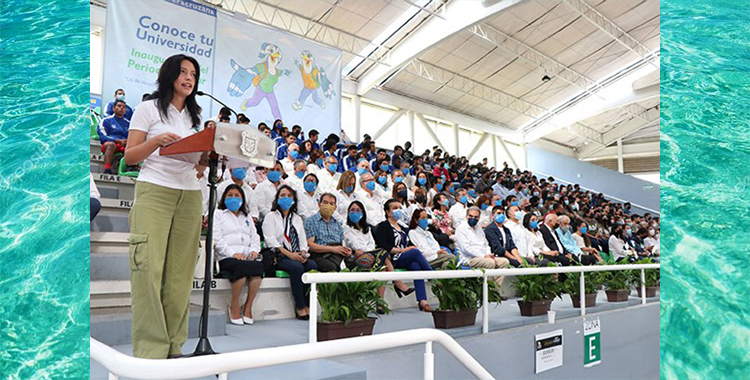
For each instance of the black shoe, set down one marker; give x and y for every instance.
(380, 310)
(174, 356)
(302, 317)
(400, 293)
(107, 171)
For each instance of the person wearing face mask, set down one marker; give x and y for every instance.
(110, 109)
(535, 247)
(618, 245)
(401, 194)
(289, 160)
(329, 177)
(458, 210)
(485, 217)
(308, 197)
(423, 239)
(362, 168)
(652, 241)
(284, 230)
(557, 252)
(236, 248)
(582, 241)
(237, 177)
(286, 141)
(393, 237)
(266, 190)
(294, 179)
(501, 239)
(564, 234)
(325, 236)
(442, 219)
(513, 217)
(473, 248)
(371, 199)
(346, 192)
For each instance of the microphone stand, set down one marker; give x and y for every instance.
(201, 93)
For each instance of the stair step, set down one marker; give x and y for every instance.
(110, 223)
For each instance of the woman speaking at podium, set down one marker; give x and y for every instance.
(165, 220)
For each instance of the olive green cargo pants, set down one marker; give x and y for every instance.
(165, 226)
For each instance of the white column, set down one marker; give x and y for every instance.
(485, 307)
(357, 103)
(494, 151)
(411, 131)
(429, 362)
(582, 291)
(455, 139)
(620, 166)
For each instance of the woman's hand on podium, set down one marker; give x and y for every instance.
(166, 138)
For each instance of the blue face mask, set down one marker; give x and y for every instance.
(274, 176)
(355, 217)
(500, 218)
(398, 179)
(349, 189)
(484, 206)
(628, 232)
(439, 187)
(381, 180)
(332, 168)
(536, 193)
(299, 174)
(361, 171)
(450, 189)
(445, 203)
(285, 203)
(384, 167)
(514, 203)
(471, 193)
(498, 203)
(319, 162)
(584, 229)
(464, 199)
(294, 154)
(473, 222)
(120, 97)
(446, 166)
(239, 173)
(567, 202)
(518, 215)
(310, 186)
(370, 186)
(233, 204)
(398, 214)
(405, 171)
(422, 181)
(423, 224)
(533, 225)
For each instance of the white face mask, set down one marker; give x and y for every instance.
(651, 232)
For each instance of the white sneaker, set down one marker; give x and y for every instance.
(248, 321)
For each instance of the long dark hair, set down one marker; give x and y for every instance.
(243, 206)
(362, 224)
(275, 206)
(168, 74)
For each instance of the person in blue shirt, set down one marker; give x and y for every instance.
(374, 163)
(314, 139)
(113, 134)
(281, 138)
(368, 148)
(350, 161)
(119, 95)
(281, 152)
(298, 134)
(277, 124)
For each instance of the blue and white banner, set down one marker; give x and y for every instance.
(268, 74)
(141, 34)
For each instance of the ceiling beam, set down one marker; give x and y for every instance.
(625, 129)
(648, 149)
(458, 16)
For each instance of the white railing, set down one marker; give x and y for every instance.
(119, 364)
(318, 278)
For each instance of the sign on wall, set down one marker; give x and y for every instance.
(592, 343)
(142, 34)
(549, 350)
(268, 74)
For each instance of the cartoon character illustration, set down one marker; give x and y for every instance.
(263, 76)
(313, 78)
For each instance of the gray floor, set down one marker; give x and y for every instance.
(284, 332)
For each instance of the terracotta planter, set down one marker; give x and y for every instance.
(590, 300)
(337, 330)
(448, 319)
(532, 308)
(617, 295)
(650, 291)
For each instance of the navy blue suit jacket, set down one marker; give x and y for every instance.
(498, 245)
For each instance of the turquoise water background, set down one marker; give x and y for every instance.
(705, 189)
(44, 234)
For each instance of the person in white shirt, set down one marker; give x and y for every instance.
(534, 240)
(362, 168)
(514, 216)
(473, 248)
(458, 210)
(423, 239)
(294, 178)
(284, 230)
(652, 242)
(382, 184)
(345, 193)
(579, 236)
(397, 177)
(237, 177)
(288, 161)
(329, 178)
(236, 248)
(401, 194)
(308, 197)
(371, 199)
(485, 217)
(619, 247)
(266, 190)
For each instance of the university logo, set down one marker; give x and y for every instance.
(249, 144)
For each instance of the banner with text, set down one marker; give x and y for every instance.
(141, 34)
(269, 74)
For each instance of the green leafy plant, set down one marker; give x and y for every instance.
(537, 287)
(618, 279)
(347, 301)
(459, 294)
(652, 275)
(572, 284)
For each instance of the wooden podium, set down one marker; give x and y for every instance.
(239, 142)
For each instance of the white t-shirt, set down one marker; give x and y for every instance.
(163, 170)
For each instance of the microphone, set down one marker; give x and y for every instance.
(201, 93)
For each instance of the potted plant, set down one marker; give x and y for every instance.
(618, 284)
(345, 308)
(538, 291)
(459, 299)
(592, 283)
(652, 279)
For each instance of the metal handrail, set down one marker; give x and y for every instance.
(119, 364)
(318, 278)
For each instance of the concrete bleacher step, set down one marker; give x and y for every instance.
(125, 185)
(109, 267)
(110, 223)
(113, 325)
